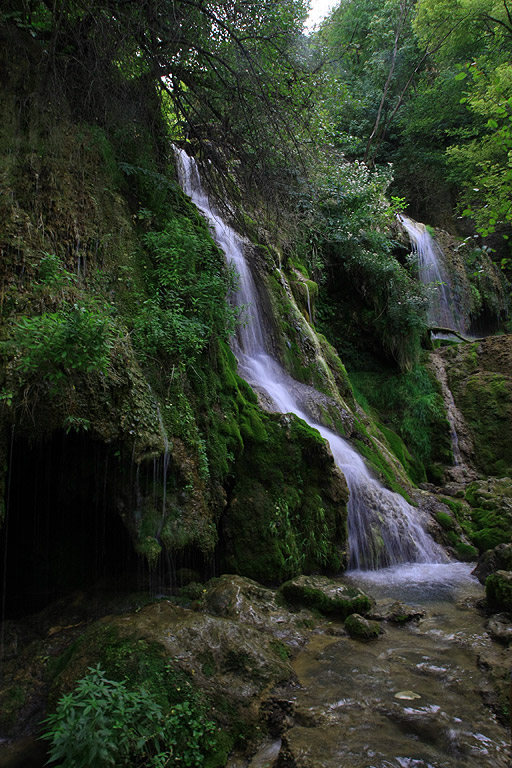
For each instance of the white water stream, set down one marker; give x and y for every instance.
(442, 311)
(383, 528)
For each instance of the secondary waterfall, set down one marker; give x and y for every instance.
(383, 528)
(442, 311)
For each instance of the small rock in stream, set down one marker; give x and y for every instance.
(499, 627)
(360, 628)
(396, 612)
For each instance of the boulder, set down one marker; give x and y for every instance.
(330, 597)
(498, 588)
(396, 612)
(499, 627)
(497, 559)
(246, 601)
(362, 629)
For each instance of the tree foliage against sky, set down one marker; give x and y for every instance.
(427, 86)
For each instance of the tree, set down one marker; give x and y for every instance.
(225, 69)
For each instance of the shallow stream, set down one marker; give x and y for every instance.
(413, 697)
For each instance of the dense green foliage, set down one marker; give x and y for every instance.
(426, 86)
(409, 404)
(348, 247)
(225, 74)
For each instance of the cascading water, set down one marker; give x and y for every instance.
(442, 311)
(383, 528)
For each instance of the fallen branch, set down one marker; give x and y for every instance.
(438, 329)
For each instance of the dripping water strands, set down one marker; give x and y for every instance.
(383, 528)
(165, 470)
(443, 309)
(6, 541)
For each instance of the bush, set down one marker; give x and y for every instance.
(75, 338)
(104, 723)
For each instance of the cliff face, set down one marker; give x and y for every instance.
(122, 417)
(120, 401)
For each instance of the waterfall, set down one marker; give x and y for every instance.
(443, 310)
(383, 528)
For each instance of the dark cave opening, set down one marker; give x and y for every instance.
(62, 530)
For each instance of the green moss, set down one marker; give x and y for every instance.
(361, 628)
(498, 588)
(487, 405)
(409, 405)
(466, 552)
(351, 601)
(445, 520)
(479, 377)
(280, 649)
(286, 511)
(413, 466)
(381, 467)
(490, 521)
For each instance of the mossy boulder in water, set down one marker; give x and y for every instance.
(498, 588)
(497, 559)
(362, 629)
(333, 598)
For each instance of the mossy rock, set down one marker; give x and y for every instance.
(247, 602)
(497, 559)
(479, 376)
(491, 512)
(498, 589)
(220, 669)
(286, 511)
(362, 629)
(332, 598)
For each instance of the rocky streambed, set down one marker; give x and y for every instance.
(413, 679)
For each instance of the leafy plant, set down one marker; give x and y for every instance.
(75, 338)
(104, 723)
(188, 287)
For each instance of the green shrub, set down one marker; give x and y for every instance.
(77, 337)
(104, 723)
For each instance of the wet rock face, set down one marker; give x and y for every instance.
(500, 628)
(219, 653)
(479, 377)
(327, 596)
(498, 588)
(247, 602)
(497, 559)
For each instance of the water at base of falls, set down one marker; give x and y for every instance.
(413, 697)
(383, 528)
(419, 583)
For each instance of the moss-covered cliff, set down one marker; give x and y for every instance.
(117, 379)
